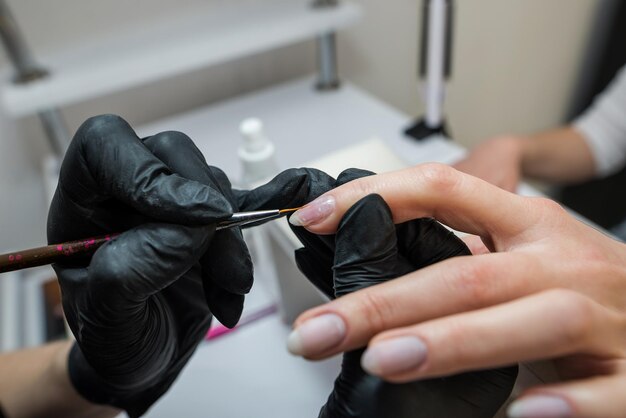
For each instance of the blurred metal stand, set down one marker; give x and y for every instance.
(56, 130)
(435, 67)
(328, 79)
(27, 71)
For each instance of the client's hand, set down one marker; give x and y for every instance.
(369, 249)
(552, 288)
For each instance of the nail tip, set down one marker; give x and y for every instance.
(513, 410)
(369, 365)
(294, 345)
(295, 220)
(315, 212)
(539, 406)
(394, 356)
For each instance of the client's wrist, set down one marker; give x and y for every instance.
(81, 403)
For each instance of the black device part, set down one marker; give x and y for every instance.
(420, 130)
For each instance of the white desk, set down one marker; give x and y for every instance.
(249, 373)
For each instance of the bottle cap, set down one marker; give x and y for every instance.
(254, 137)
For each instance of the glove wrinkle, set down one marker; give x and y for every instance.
(107, 160)
(351, 174)
(133, 365)
(291, 188)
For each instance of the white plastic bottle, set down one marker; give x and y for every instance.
(258, 164)
(256, 153)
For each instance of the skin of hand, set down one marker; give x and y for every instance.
(35, 384)
(550, 288)
(140, 306)
(559, 156)
(497, 160)
(358, 257)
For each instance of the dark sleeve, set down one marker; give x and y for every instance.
(1, 412)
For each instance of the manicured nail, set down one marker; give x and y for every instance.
(540, 406)
(394, 356)
(314, 212)
(316, 335)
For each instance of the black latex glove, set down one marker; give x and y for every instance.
(368, 249)
(139, 307)
(292, 188)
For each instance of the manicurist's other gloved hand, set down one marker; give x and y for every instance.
(139, 307)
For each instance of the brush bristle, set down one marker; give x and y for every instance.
(290, 210)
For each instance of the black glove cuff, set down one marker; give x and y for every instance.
(92, 388)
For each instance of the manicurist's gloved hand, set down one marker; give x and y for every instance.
(369, 249)
(139, 307)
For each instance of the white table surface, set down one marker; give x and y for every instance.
(304, 125)
(249, 373)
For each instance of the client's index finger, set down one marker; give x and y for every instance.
(431, 190)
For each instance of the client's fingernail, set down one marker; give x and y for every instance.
(316, 335)
(394, 356)
(314, 212)
(540, 406)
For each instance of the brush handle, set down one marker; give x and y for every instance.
(50, 254)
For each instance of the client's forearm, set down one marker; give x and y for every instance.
(561, 155)
(35, 383)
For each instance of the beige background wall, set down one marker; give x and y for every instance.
(515, 65)
(515, 62)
